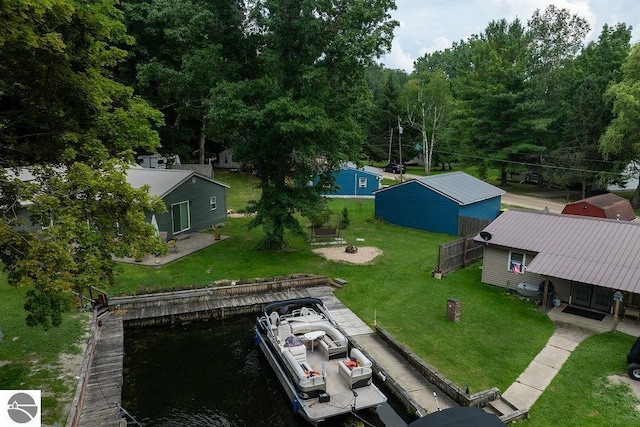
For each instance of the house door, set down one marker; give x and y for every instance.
(601, 299)
(591, 296)
(582, 294)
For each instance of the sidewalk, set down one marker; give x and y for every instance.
(528, 387)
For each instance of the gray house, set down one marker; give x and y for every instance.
(194, 202)
(586, 259)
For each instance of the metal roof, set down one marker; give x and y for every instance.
(162, 181)
(460, 187)
(613, 206)
(596, 251)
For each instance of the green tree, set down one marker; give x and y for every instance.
(622, 137)
(298, 118)
(490, 91)
(183, 49)
(428, 100)
(589, 113)
(555, 39)
(62, 117)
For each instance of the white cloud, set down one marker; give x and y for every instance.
(428, 26)
(398, 58)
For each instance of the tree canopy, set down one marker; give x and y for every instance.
(68, 126)
(297, 119)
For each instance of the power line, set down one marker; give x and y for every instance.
(537, 165)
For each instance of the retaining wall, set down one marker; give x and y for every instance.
(452, 390)
(175, 307)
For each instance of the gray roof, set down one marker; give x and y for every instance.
(596, 251)
(162, 181)
(460, 187)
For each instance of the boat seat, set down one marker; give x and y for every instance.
(299, 353)
(274, 318)
(284, 330)
(356, 370)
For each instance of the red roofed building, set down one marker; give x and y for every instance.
(606, 205)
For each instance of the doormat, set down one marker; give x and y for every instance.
(584, 313)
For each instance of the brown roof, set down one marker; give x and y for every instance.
(614, 206)
(597, 251)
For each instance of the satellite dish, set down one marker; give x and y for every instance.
(486, 236)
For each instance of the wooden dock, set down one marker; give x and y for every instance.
(104, 388)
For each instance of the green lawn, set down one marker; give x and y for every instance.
(581, 395)
(30, 357)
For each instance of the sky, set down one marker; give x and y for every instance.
(427, 26)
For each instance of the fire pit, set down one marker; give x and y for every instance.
(351, 249)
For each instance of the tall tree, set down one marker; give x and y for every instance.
(588, 112)
(61, 119)
(428, 100)
(183, 49)
(298, 118)
(490, 91)
(622, 137)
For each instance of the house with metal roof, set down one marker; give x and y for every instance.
(194, 202)
(352, 181)
(586, 259)
(438, 203)
(606, 205)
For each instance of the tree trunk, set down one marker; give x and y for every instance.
(635, 200)
(203, 139)
(503, 175)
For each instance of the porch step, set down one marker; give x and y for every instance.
(500, 407)
(338, 282)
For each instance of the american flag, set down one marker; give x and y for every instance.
(516, 267)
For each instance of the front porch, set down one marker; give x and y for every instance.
(628, 326)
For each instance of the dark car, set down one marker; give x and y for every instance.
(633, 359)
(395, 168)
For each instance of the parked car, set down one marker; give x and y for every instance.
(395, 168)
(633, 360)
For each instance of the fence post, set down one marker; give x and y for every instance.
(464, 251)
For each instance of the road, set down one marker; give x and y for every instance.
(508, 199)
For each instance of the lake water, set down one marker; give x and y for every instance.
(212, 374)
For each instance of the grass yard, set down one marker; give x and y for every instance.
(35, 359)
(581, 395)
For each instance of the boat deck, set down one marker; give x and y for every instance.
(342, 398)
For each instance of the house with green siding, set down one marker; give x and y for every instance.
(194, 202)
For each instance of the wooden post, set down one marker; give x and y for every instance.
(616, 309)
(464, 252)
(546, 290)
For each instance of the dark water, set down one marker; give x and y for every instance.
(212, 374)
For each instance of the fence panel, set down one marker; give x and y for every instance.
(458, 254)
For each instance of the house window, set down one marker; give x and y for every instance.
(213, 203)
(516, 262)
(362, 182)
(180, 217)
(226, 159)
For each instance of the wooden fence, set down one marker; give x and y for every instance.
(468, 225)
(458, 254)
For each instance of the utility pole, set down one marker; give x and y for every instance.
(390, 142)
(400, 148)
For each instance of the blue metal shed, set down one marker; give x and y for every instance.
(354, 182)
(434, 203)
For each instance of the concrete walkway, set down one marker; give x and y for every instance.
(545, 366)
